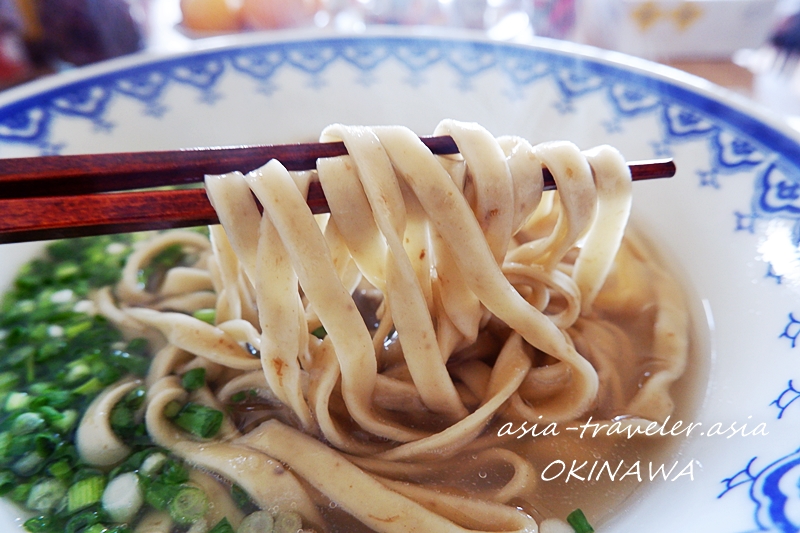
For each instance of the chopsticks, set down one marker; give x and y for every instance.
(59, 196)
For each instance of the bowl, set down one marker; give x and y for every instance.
(727, 223)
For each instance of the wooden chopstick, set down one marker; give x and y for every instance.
(55, 196)
(62, 175)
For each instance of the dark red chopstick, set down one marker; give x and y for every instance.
(63, 175)
(71, 209)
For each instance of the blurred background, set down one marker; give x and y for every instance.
(748, 46)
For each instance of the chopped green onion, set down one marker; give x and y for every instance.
(30, 367)
(152, 466)
(20, 355)
(46, 443)
(92, 386)
(118, 529)
(320, 332)
(288, 522)
(5, 443)
(8, 380)
(107, 375)
(194, 379)
(42, 524)
(74, 330)
(48, 414)
(77, 370)
(189, 505)
(27, 423)
(151, 276)
(137, 346)
(95, 528)
(60, 469)
(579, 522)
(65, 271)
(56, 356)
(174, 473)
(45, 495)
(7, 482)
(123, 415)
(66, 422)
(199, 420)
(17, 400)
(85, 492)
(20, 492)
(133, 363)
(172, 409)
(240, 497)
(131, 464)
(28, 464)
(159, 495)
(239, 397)
(206, 315)
(82, 521)
(19, 445)
(122, 497)
(58, 399)
(258, 522)
(223, 526)
(38, 332)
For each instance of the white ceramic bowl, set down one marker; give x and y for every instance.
(728, 220)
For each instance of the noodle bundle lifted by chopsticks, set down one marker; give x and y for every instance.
(442, 296)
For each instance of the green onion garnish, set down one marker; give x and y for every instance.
(206, 315)
(199, 420)
(287, 522)
(579, 522)
(194, 379)
(85, 492)
(223, 526)
(159, 495)
(189, 505)
(27, 423)
(45, 495)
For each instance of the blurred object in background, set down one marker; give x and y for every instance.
(212, 15)
(501, 19)
(554, 18)
(672, 29)
(15, 64)
(80, 32)
(224, 16)
(407, 12)
(271, 14)
(774, 65)
(41, 36)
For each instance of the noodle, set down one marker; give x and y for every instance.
(453, 296)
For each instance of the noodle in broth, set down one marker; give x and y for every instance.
(443, 297)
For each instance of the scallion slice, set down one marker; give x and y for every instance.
(122, 497)
(27, 423)
(85, 492)
(45, 495)
(257, 522)
(206, 315)
(579, 522)
(194, 379)
(199, 420)
(223, 526)
(189, 505)
(288, 522)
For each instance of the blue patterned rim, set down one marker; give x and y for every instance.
(737, 141)
(741, 142)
